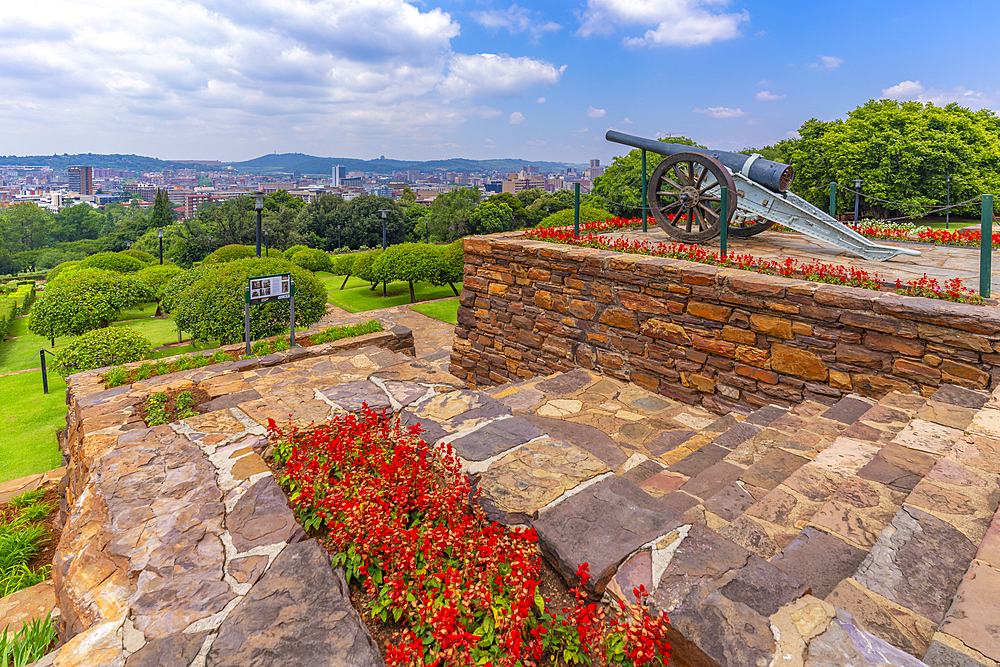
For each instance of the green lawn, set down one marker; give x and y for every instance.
(953, 225)
(446, 311)
(31, 419)
(357, 297)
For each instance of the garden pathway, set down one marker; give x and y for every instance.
(431, 336)
(941, 262)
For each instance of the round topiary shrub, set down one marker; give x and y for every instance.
(363, 263)
(314, 260)
(180, 282)
(143, 257)
(564, 218)
(229, 253)
(157, 277)
(406, 261)
(450, 265)
(113, 261)
(290, 252)
(58, 269)
(211, 307)
(84, 300)
(110, 346)
(343, 265)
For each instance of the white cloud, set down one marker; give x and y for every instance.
(581, 130)
(516, 118)
(677, 22)
(764, 82)
(596, 113)
(792, 134)
(540, 100)
(722, 112)
(515, 19)
(492, 75)
(829, 62)
(627, 121)
(767, 95)
(225, 80)
(914, 90)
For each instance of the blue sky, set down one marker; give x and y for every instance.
(232, 80)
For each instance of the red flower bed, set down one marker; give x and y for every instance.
(814, 271)
(957, 237)
(403, 521)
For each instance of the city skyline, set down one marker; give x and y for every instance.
(449, 79)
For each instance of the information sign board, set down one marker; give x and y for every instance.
(270, 288)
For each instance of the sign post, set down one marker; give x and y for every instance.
(264, 289)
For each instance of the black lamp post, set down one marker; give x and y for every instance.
(383, 211)
(258, 204)
(427, 229)
(338, 237)
(159, 232)
(947, 211)
(267, 245)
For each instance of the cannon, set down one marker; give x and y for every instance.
(684, 196)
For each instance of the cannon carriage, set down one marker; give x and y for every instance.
(684, 195)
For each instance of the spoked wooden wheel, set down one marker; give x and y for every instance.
(744, 228)
(685, 196)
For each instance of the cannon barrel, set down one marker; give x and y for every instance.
(772, 175)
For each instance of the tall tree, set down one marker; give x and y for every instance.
(450, 212)
(162, 215)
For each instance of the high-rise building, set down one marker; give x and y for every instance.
(81, 180)
(339, 174)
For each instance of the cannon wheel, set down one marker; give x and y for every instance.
(747, 228)
(685, 199)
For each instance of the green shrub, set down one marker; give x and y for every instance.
(143, 257)
(450, 265)
(363, 265)
(58, 269)
(343, 265)
(84, 300)
(290, 252)
(314, 260)
(229, 253)
(211, 307)
(179, 283)
(157, 277)
(109, 346)
(564, 217)
(407, 261)
(113, 261)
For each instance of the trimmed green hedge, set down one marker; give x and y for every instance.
(211, 307)
(143, 257)
(364, 264)
(84, 300)
(314, 260)
(13, 305)
(229, 253)
(113, 261)
(109, 346)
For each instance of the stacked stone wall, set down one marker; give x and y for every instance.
(724, 338)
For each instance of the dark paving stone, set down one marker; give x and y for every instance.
(585, 437)
(431, 431)
(601, 526)
(566, 383)
(247, 569)
(863, 432)
(677, 502)
(966, 398)
(179, 649)
(704, 556)
(763, 587)
(261, 517)
(405, 392)
(299, 613)
(668, 441)
(765, 415)
(495, 438)
(919, 565)
(847, 410)
(353, 395)
(776, 466)
(819, 560)
(736, 435)
(229, 401)
(242, 365)
(699, 461)
(712, 480)
(643, 472)
(636, 571)
(730, 502)
(880, 470)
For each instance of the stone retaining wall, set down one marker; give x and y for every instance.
(728, 339)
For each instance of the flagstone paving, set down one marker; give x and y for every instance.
(859, 532)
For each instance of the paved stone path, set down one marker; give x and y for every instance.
(431, 336)
(937, 261)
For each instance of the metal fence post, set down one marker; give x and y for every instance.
(246, 319)
(833, 200)
(857, 198)
(986, 247)
(45, 377)
(644, 185)
(576, 210)
(723, 219)
(291, 313)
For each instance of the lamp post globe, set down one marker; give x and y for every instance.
(209, 244)
(258, 204)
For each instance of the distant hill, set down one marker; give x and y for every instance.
(309, 164)
(114, 161)
(284, 163)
